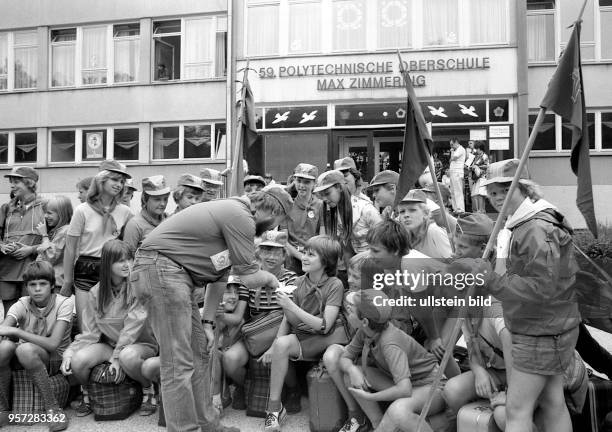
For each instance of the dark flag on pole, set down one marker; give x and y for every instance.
(417, 145)
(246, 135)
(565, 97)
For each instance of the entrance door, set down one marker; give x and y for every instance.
(388, 154)
(355, 146)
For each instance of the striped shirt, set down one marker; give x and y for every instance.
(264, 299)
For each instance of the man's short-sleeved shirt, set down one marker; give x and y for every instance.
(395, 353)
(61, 311)
(207, 239)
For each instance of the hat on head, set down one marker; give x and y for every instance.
(344, 164)
(385, 177)
(306, 171)
(415, 196)
(504, 171)
(254, 179)
(191, 181)
(274, 239)
(129, 184)
(373, 305)
(155, 185)
(281, 195)
(211, 176)
(235, 280)
(475, 224)
(114, 166)
(328, 179)
(23, 172)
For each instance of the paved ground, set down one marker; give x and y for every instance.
(294, 423)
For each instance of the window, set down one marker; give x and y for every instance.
(93, 144)
(546, 139)
(3, 61)
(126, 40)
(4, 148)
(263, 29)
(605, 9)
(190, 49)
(606, 131)
(63, 146)
(566, 133)
(440, 22)
(349, 24)
(556, 135)
(63, 49)
(489, 19)
(540, 31)
(569, 11)
(304, 26)
(192, 141)
(18, 60)
(93, 56)
(394, 23)
(25, 147)
(125, 145)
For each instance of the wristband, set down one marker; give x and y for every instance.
(212, 323)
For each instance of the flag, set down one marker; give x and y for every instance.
(417, 145)
(565, 97)
(246, 135)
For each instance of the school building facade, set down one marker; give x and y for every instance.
(140, 81)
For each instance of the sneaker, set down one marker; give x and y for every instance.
(274, 420)
(294, 402)
(59, 420)
(238, 399)
(149, 405)
(83, 409)
(352, 425)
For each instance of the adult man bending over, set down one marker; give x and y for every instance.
(191, 249)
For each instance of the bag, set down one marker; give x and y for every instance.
(594, 296)
(328, 411)
(476, 417)
(598, 403)
(112, 401)
(27, 398)
(260, 332)
(257, 388)
(102, 374)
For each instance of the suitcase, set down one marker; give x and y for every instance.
(597, 405)
(257, 388)
(27, 398)
(476, 417)
(327, 408)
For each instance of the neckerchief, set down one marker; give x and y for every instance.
(106, 213)
(39, 318)
(150, 219)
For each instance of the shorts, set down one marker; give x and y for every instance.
(544, 355)
(429, 379)
(86, 272)
(313, 346)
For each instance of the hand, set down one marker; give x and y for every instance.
(484, 385)
(66, 290)
(498, 399)
(361, 394)
(115, 369)
(42, 228)
(8, 248)
(66, 368)
(7, 331)
(266, 358)
(210, 336)
(284, 300)
(470, 265)
(437, 348)
(22, 252)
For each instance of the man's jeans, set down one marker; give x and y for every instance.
(457, 184)
(167, 291)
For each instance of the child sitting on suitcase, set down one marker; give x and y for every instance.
(41, 323)
(311, 322)
(394, 368)
(114, 329)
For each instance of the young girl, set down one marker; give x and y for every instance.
(58, 213)
(478, 169)
(312, 320)
(94, 222)
(154, 200)
(346, 218)
(82, 187)
(114, 328)
(188, 192)
(533, 278)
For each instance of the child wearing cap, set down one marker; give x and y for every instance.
(211, 182)
(352, 177)
(154, 200)
(384, 188)
(533, 278)
(394, 368)
(188, 192)
(311, 322)
(128, 192)
(253, 183)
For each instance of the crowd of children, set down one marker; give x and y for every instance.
(288, 272)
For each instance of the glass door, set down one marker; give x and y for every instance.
(355, 146)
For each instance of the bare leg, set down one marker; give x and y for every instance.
(524, 389)
(404, 413)
(552, 415)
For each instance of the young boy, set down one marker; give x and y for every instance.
(188, 192)
(394, 368)
(45, 322)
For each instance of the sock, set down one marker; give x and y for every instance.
(5, 387)
(85, 395)
(357, 415)
(148, 391)
(40, 378)
(274, 405)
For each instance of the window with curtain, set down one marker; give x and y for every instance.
(198, 59)
(440, 22)
(606, 130)
(546, 139)
(93, 56)
(568, 13)
(63, 49)
(197, 141)
(93, 144)
(304, 26)
(167, 45)
(221, 47)
(3, 148)
(3, 61)
(489, 21)
(262, 33)
(166, 142)
(126, 143)
(606, 28)
(26, 59)
(541, 37)
(566, 133)
(394, 23)
(126, 44)
(62, 146)
(349, 24)
(25, 147)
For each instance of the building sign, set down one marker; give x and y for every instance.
(95, 145)
(295, 117)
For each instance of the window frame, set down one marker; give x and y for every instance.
(599, 10)
(181, 143)
(10, 59)
(555, 15)
(11, 149)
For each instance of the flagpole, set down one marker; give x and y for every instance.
(236, 162)
(432, 170)
(582, 10)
